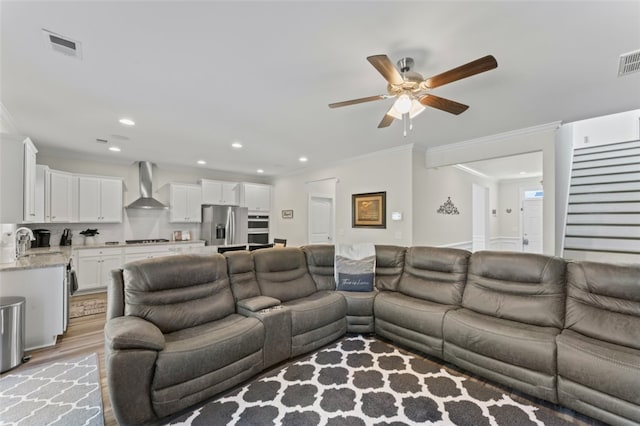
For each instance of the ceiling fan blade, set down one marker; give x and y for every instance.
(443, 104)
(386, 68)
(463, 71)
(357, 101)
(386, 121)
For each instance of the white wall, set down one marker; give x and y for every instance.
(389, 170)
(621, 127)
(539, 138)
(431, 187)
(509, 196)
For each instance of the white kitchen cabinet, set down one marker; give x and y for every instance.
(44, 291)
(93, 267)
(219, 192)
(29, 181)
(133, 253)
(11, 180)
(256, 197)
(185, 203)
(60, 197)
(42, 194)
(99, 199)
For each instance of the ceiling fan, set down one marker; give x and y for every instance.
(413, 92)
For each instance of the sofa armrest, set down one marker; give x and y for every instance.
(130, 332)
(255, 304)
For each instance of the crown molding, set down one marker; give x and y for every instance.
(496, 138)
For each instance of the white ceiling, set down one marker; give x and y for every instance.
(197, 76)
(521, 166)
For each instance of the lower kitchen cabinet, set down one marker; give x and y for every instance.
(44, 291)
(93, 267)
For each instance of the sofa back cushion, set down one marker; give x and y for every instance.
(603, 302)
(178, 292)
(282, 273)
(524, 287)
(320, 261)
(242, 274)
(435, 274)
(389, 265)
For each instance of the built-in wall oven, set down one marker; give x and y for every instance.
(258, 229)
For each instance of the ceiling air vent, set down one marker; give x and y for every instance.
(61, 44)
(629, 63)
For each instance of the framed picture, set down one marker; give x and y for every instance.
(177, 235)
(287, 214)
(369, 210)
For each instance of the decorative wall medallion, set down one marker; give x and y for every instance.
(448, 207)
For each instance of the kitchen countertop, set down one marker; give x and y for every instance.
(47, 257)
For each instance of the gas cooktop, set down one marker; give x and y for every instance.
(147, 241)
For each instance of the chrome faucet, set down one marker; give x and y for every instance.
(23, 237)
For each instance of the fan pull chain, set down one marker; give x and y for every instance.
(405, 118)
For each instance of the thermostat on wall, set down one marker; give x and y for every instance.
(396, 216)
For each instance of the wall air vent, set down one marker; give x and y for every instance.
(61, 44)
(629, 63)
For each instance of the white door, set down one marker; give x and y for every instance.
(532, 225)
(61, 197)
(320, 219)
(480, 221)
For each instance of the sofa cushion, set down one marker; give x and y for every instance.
(608, 368)
(177, 292)
(283, 273)
(435, 274)
(317, 310)
(411, 313)
(523, 345)
(242, 274)
(194, 352)
(603, 302)
(320, 259)
(389, 265)
(524, 287)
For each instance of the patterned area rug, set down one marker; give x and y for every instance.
(364, 381)
(60, 393)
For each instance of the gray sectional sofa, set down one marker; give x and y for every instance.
(182, 329)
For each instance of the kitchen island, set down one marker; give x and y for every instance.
(40, 278)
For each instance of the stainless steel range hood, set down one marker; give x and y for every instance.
(146, 200)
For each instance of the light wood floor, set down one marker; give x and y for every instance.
(85, 335)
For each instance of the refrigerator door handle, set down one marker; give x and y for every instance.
(232, 226)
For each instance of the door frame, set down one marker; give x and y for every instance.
(480, 214)
(523, 189)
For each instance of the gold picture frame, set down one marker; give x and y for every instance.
(369, 210)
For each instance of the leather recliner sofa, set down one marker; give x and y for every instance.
(510, 317)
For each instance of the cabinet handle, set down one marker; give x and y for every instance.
(32, 214)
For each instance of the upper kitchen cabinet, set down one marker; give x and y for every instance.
(219, 192)
(185, 203)
(11, 179)
(100, 199)
(256, 197)
(29, 182)
(61, 197)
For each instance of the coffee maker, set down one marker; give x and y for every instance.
(65, 239)
(42, 238)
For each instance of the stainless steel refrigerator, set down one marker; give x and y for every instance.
(224, 225)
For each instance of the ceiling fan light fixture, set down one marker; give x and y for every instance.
(403, 104)
(416, 109)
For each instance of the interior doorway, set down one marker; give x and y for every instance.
(531, 222)
(480, 225)
(321, 219)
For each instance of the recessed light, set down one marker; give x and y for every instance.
(127, 122)
(260, 171)
(523, 173)
(201, 162)
(303, 159)
(114, 149)
(236, 145)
